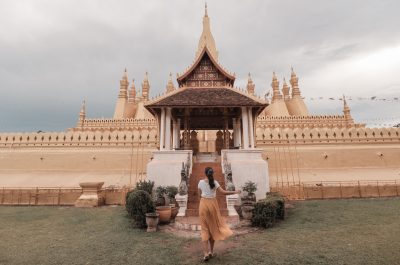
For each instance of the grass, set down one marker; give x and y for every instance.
(360, 231)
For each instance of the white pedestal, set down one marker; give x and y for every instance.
(248, 165)
(230, 202)
(165, 167)
(182, 202)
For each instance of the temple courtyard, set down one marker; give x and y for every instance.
(355, 231)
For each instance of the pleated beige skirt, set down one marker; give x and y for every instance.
(212, 224)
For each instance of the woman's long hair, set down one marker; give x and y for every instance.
(210, 177)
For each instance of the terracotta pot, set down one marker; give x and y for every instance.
(165, 213)
(174, 211)
(247, 212)
(152, 221)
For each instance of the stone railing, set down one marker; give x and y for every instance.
(326, 135)
(316, 121)
(115, 124)
(85, 138)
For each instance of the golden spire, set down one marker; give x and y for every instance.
(132, 92)
(276, 93)
(83, 109)
(170, 85)
(206, 38)
(285, 90)
(82, 114)
(294, 81)
(250, 85)
(347, 114)
(146, 87)
(123, 89)
(125, 76)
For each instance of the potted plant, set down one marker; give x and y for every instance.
(171, 193)
(160, 195)
(152, 221)
(248, 199)
(250, 188)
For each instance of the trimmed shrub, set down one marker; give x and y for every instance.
(138, 203)
(280, 200)
(264, 213)
(267, 210)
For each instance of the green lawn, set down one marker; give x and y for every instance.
(315, 232)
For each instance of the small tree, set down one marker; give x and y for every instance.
(250, 187)
(171, 193)
(138, 203)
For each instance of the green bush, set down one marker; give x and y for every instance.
(145, 185)
(267, 210)
(280, 200)
(264, 213)
(138, 203)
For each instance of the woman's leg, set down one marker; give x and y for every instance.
(212, 241)
(205, 247)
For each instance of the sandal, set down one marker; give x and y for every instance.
(211, 255)
(206, 258)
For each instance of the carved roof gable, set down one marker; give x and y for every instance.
(206, 72)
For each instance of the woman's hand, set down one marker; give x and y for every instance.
(238, 191)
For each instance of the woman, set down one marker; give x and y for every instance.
(213, 226)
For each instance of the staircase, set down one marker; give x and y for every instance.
(193, 196)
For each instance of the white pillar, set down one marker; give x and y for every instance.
(245, 124)
(168, 129)
(239, 132)
(251, 128)
(174, 134)
(178, 133)
(162, 129)
(235, 132)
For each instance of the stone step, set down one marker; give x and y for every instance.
(193, 196)
(195, 212)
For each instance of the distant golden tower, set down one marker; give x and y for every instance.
(146, 87)
(285, 90)
(122, 97)
(347, 115)
(132, 92)
(250, 85)
(170, 85)
(82, 114)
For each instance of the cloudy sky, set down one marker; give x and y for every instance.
(54, 54)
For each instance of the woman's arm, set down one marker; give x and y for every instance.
(227, 192)
(199, 193)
